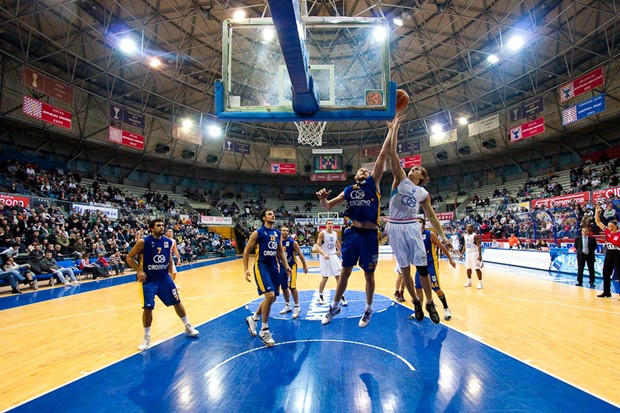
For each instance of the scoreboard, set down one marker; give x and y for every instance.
(327, 163)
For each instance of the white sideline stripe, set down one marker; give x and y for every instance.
(313, 341)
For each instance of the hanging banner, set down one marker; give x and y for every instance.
(125, 138)
(282, 153)
(581, 85)
(187, 134)
(437, 139)
(527, 130)
(125, 115)
(408, 146)
(484, 125)
(410, 161)
(237, 147)
(45, 112)
(584, 109)
(45, 84)
(527, 109)
(283, 168)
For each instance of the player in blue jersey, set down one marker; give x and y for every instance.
(430, 241)
(291, 247)
(268, 249)
(153, 272)
(361, 241)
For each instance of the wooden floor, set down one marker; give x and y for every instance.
(561, 329)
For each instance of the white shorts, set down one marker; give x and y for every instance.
(331, 267)
(471, 261)
(407, 244)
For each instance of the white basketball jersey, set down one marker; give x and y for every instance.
(405, 202)
(329, 242)
(470, 245)
(455, 242)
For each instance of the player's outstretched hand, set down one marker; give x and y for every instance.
(247, 276)
(323, 193)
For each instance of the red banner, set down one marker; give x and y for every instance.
(284, 168)
(10, 200)
(605, 193)
(581, 85)
(410, 161)
(527, 130)
(45, 112)
(125, 138)
(329, 177)
(558, 201)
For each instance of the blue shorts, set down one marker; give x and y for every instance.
(268, 278)
(360, 245)
(433, 271)
(164, 289)
(291, 281)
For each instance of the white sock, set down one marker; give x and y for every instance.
(265, 326)
(288, 304)
(185, 321)
(296, 305)
(368, 307)
(335, 304)
(254, 317)
(147, 331)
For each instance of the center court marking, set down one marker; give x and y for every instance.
(314, 341)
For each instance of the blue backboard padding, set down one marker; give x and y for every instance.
(287, 22)
(290, 116)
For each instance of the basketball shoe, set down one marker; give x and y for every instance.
(265, 335)
(365, 318)
(331, 313)
(251, 325)
(146, 342)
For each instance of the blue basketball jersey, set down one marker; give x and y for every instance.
(363, 201)
(289, 250)
(431, 251)
(267, 245)
(155, 257)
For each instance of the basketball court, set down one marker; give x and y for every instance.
(512, 346)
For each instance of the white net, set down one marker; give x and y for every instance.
(310, 133)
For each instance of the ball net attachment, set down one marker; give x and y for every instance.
(310, 132)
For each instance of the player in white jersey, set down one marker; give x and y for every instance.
(404, 229)
(175, 253)
(456, 244)
(328, 247)
(473, 256)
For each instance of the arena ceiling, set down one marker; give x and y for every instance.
(439, 55)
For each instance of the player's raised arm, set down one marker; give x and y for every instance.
(329, 204)
(377, 171)
(397, 170)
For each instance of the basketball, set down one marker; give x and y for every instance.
(374, 97)
(402, 100)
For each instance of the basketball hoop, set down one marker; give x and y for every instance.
(310, 132)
